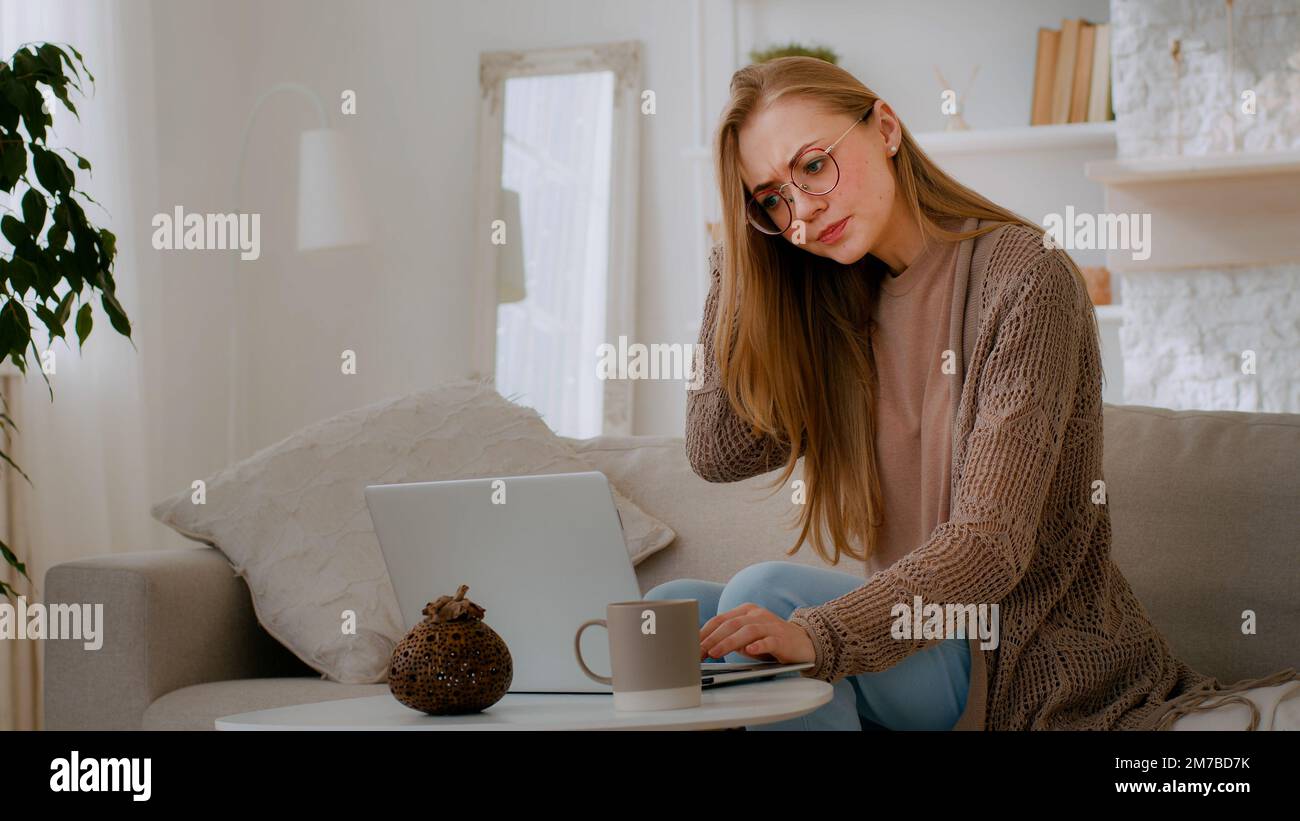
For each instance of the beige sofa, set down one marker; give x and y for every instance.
(1205, 512)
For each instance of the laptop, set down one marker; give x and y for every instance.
(540, 554)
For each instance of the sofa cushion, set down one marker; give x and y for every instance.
(1205, 527)
(292, 518)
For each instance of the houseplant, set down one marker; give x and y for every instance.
(51, 240)
(793, 49)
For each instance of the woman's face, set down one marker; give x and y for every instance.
(864, 196)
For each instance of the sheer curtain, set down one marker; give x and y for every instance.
(557, 151)
(86, 451)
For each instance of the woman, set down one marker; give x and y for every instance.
(845, 270)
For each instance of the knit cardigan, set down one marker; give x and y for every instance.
(1076, 648)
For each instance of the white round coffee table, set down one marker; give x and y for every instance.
(735, 705)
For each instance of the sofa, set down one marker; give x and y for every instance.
(1205, 513)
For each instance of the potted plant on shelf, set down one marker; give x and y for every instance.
(793, 49)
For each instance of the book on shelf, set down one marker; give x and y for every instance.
(1099, 106)
(1072, 74)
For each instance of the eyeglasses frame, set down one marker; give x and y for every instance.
(789, 200)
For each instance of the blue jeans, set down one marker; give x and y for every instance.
(925, 691)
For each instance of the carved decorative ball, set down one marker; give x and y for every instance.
(451, 663)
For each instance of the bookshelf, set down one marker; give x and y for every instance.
(1131, 171)
(1099, 136)
(1221, 210)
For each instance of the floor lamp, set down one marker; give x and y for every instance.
(331, 214)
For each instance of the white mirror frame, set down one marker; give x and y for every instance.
(624, 60)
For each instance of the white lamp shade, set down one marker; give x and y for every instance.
(510, 256)
(331, 213)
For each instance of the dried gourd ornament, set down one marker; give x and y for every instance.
(451, 663)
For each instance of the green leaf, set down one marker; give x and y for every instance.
(45, 377)
(75, 281)
(62, 216)
(82, 162)
(76, 216)
(64, 310)
(34, 211)
(107, 248)
(35, 120)
(24, 62)
(116, 315)
(9, 554)
(61, 91)
(22, 274)
(13, 164)
(44, 270)
(52, 56)
(52, 172)
(16, 93)
(84, 324)
(14, 231)
(57, 237)
(8, 115)
(80, 60)
(46, 316)
(5, 456)
(15, 329)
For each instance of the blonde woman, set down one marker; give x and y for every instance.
(837, 319)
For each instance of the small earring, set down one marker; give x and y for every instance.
(893, 150)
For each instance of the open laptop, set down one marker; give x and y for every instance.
(540, 554)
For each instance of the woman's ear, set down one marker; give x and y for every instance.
(887, 123)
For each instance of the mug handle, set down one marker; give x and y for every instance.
(577, 649)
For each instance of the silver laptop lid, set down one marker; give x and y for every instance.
(541, 555)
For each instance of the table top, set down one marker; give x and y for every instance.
(735, 705)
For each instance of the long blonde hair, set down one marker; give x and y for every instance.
(801, 369)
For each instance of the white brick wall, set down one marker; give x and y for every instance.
(1267, 37)
(1185, 332)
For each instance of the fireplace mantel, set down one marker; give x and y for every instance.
(1209, 211)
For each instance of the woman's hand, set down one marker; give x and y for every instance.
(756, 632)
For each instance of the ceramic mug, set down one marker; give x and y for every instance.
(654, 649)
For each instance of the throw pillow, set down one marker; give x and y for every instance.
(292, 518)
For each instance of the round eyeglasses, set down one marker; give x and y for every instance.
(814, 171)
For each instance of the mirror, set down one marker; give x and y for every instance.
(558, 215)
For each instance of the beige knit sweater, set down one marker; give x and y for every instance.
(1077, 650)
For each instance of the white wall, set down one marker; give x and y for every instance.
(400, 303)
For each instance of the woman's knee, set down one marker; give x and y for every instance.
(766, 584)
(705, 593)
(681, 589)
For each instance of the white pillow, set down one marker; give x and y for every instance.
(292, 518)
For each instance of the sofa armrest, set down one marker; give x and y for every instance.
(171, 618)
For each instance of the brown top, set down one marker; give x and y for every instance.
(1077, 650)
(914, 401)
